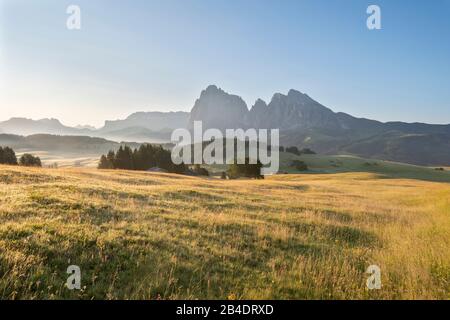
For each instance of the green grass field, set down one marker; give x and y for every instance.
(322, 164)
(138, 235)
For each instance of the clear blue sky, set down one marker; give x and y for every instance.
(158, 55)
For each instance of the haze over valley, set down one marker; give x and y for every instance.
(303, 122)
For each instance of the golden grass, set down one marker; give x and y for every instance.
(149, 236)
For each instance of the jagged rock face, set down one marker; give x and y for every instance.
(258, 115)
(297, 111)
(218, 109)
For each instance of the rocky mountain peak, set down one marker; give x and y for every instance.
(259, 105)
(256, 117)
(218, 109)
(212, 89)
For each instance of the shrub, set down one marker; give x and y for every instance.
(296, 151)
(293, 150)
(29, 160)
(54, 165)
(105, 163)
(246, 169)
(299, 165)
(307, 151)
(198, 170)
(7, 156)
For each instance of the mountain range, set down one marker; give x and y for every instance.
(303, 122)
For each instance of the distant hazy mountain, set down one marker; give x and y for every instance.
(92, 128)
(139, 127)
(154, 127)
(55, 143)
(23, 126)
(303, 122)
(137, 134)
(154, 121)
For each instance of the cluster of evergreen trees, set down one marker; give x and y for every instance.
(299, 165)
(7, 156)
(143, 158)
(246, 170)
(29, 160)
(296, 151)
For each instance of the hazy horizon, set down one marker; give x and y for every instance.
(162, 110)
(158, 56)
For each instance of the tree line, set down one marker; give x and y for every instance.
(296, 151)
(145, 157)
(246, 169)
(8, 156)
(149, 156)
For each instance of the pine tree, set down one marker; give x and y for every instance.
(124, 158)
(143, 158)
(29, 160)
(246, 169)
(111, 157)
(104, 163)
(8, 156)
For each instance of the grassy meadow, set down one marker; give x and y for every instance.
(138, 235)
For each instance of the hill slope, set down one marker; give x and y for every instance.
(144, 235)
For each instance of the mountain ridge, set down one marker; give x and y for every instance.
(303, 122)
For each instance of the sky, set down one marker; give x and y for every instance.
(148, 55)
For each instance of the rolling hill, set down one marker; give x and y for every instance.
(67, 144)
(64, 151)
